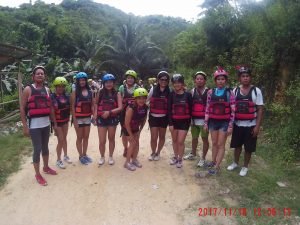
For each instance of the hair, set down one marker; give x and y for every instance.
(104, 91)
(38, 67)
(200, 74)
(78, 87)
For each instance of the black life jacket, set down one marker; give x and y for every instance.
(61, 104)
(245, 107)
(107, 103)
(83, 105)
(180, 107)
(159, 101)
(199, 104)
(127, 97)
(219, 107)
(38, 104)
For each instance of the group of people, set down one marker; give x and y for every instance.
(219, 111)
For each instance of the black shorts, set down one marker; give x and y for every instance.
(243, 136)
(60, 124)
(181, 124)
(158, 121)
(125, 132)
(111, 121)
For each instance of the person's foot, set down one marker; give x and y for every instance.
(83, 160)
(129, 166)
(156, 157)
(111, 161)
(41, 180)
(213, 171)
(210, 165)
(243, 171)
(189, 156)
(201, 163)
(232, 166)
(125, 152)
(88, 159)
(101, 161)
(60, 164)
(136, 163)
(151, 157)
(173, 161)
(179, 163)
(50, 171)
(67, 159)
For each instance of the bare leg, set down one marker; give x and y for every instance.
(65, 129)
(161, 140)
(237, 154)
(205, 147)
(194, 146)
(181, 135)
(111, 139)
(79, 133)
(153, 139)
(214, 140)
(221, 147)
(60, 142)
(102, 140)
(247, 158)
(86, 134)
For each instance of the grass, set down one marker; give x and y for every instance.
(12, 148)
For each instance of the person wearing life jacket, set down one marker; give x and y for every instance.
(61, 104)
(248, 119)
(126, 90)
(82, 110)
(199, 95)
(179, 109)
(158, 115)
(108, 105)
(135, 118)
(36, 110)
(219, 117)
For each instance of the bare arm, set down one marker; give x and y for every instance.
(52, 112)
(95, 111)
(23, 104)
(72, 100)
(128, 117)
(120, 105)
(260, 111)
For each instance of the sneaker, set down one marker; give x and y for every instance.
(232, 166)
(201, 163)
(88, 159)
(60, 164)
(151, 157)
(179, 163)
(50, 171)
(83, 161)
(111, 161)
(243, 171)
(189, 156)
(173, 161)
(213, 171)
(67, 159)
(156, 157)
(136, 163)
(101, 161)
(210, 165)
(129, 166)
(41, 180)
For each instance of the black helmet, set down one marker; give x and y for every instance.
(177, 77)
(243, 69)
(163, 74)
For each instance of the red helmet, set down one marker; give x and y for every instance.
(220, 72)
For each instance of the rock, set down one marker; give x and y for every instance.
(155, 186)
(224, 192)
(281, 184)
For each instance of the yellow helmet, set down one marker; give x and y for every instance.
(140, 92)
(131, 73)
(60, 81)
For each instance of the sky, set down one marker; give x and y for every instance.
(187, 9)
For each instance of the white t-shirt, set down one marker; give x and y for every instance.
(197, 122)
(258, 100)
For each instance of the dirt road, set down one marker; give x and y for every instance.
(110, 195)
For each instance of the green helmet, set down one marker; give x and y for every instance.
(140, 92)
(60, 81)
(131, 73)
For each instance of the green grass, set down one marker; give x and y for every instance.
(12, 148)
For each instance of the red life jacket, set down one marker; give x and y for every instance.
(107, 103)
(38, 104)
(138, 117)
(219, 107)
(159, 101)
(61, 104)
(180, 107)
(83, 105)
(127, 97)
(245, 107)
(199, 104)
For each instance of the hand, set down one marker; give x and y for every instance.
(105, 114)
(255, 131)
(26, 131)
(229, 131)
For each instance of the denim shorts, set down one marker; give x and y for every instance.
(218, 125)
(111, 121)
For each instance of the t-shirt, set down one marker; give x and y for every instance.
(197, 122)
(130, 91)
(258, 100)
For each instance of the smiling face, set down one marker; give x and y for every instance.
(82, 82)
(220, 81)
(130, 80)
(109, 85)
(163, 81)
(140, 101)
(38, 76)
(178, 86)
(60, 89)
(245, 79)
(200, 81)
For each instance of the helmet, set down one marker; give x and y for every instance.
(74, 77)
(220, 72)
(200, 73)
(243, 69)
(108, 77)
(140, 92)
(177, 77)
(131, 73)
(81, 75)
(90, 80)
(38, 67)
(163, 74)
(60, 81)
